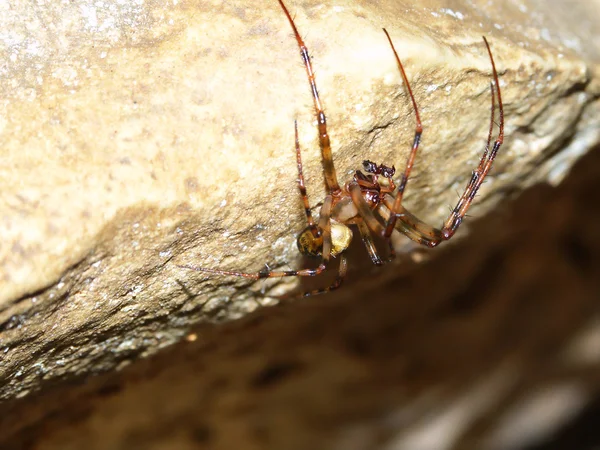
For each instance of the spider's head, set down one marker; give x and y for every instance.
(381, 178)
(383, 170)
(310, 240)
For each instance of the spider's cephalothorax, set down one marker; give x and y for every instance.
(376, 183)
(371, 201)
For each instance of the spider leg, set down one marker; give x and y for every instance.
(325, 228)
(367, 239)
(454, 220)
(364, 211)
(368, 217)
(331, 181)
(413, 227)
(415, 146)
(425, 234)
(339, 279)
(302, 186)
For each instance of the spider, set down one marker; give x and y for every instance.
(371, 200)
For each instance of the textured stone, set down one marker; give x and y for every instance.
(140, 135)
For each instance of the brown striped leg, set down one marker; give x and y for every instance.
(324, 226)
(425, 234)
(413, 227)
(339, 279)
(415, 146)
(457, 215)
(331, 181)
(367, 239)
(367, 215)
(302, 187)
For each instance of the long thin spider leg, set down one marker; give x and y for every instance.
(489, 139)
(331, 181)
(325, 228)
(367, 239)
(413, 227)
(339, 279)
(454, 220)
(363, 208)
(302, 186)
(425, 234)
(367, 215)
(324, 225)
(415, 146)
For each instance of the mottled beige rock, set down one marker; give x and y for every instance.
(140, 135)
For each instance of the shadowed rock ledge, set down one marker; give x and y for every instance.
(140, 136)
(493, 344)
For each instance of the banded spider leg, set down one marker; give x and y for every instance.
(370, 200)
(410, 225)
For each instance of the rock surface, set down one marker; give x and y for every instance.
(140, 135)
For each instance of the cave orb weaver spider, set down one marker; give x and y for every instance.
(371, 200)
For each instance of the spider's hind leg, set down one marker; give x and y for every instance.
(337, 282)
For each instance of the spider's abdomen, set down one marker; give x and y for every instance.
(308, 243)
(341, 236)
(311, 245)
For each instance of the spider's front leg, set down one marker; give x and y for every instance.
(406, 222)
(329, 172)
